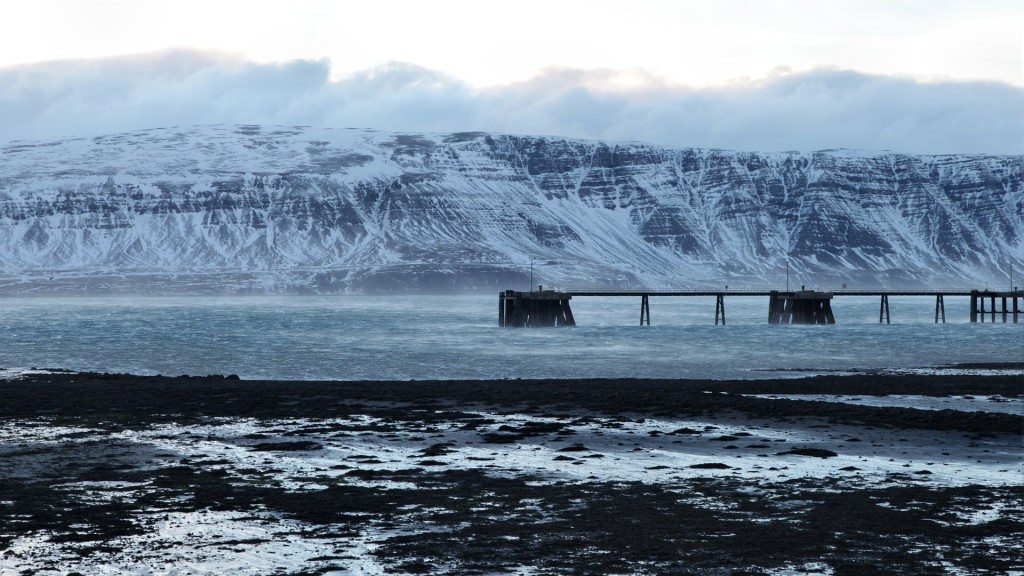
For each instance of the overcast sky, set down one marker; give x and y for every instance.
(924, 76)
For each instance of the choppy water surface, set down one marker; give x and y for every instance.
(456, 337)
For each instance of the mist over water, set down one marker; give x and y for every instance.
(457, 337)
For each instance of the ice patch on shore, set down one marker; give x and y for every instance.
(18, 373)
(204, 542)
(995, 403)
(955, 371)
(817, 568)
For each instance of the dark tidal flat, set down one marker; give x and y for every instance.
(204, 475)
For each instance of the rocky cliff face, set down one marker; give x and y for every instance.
(250, 208)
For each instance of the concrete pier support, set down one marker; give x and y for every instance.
(803, 307)
(534, 309)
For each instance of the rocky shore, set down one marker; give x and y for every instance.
(204, 475)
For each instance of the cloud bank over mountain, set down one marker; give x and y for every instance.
(815, 110)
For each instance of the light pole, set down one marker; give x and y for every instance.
(531, 274)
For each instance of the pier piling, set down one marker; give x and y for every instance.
(1010, 311)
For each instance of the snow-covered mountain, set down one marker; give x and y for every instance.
(251, 208)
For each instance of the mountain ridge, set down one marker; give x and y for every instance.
(251, 209)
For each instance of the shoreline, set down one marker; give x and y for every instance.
(73, 394)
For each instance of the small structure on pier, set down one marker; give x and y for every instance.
(800, 307)
(533, 309)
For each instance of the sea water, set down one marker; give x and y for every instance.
(352, 337)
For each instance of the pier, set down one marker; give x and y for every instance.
(551, 308)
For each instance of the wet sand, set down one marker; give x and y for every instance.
(478, 477)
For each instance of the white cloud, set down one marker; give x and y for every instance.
(695, 42)
(818, 109)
